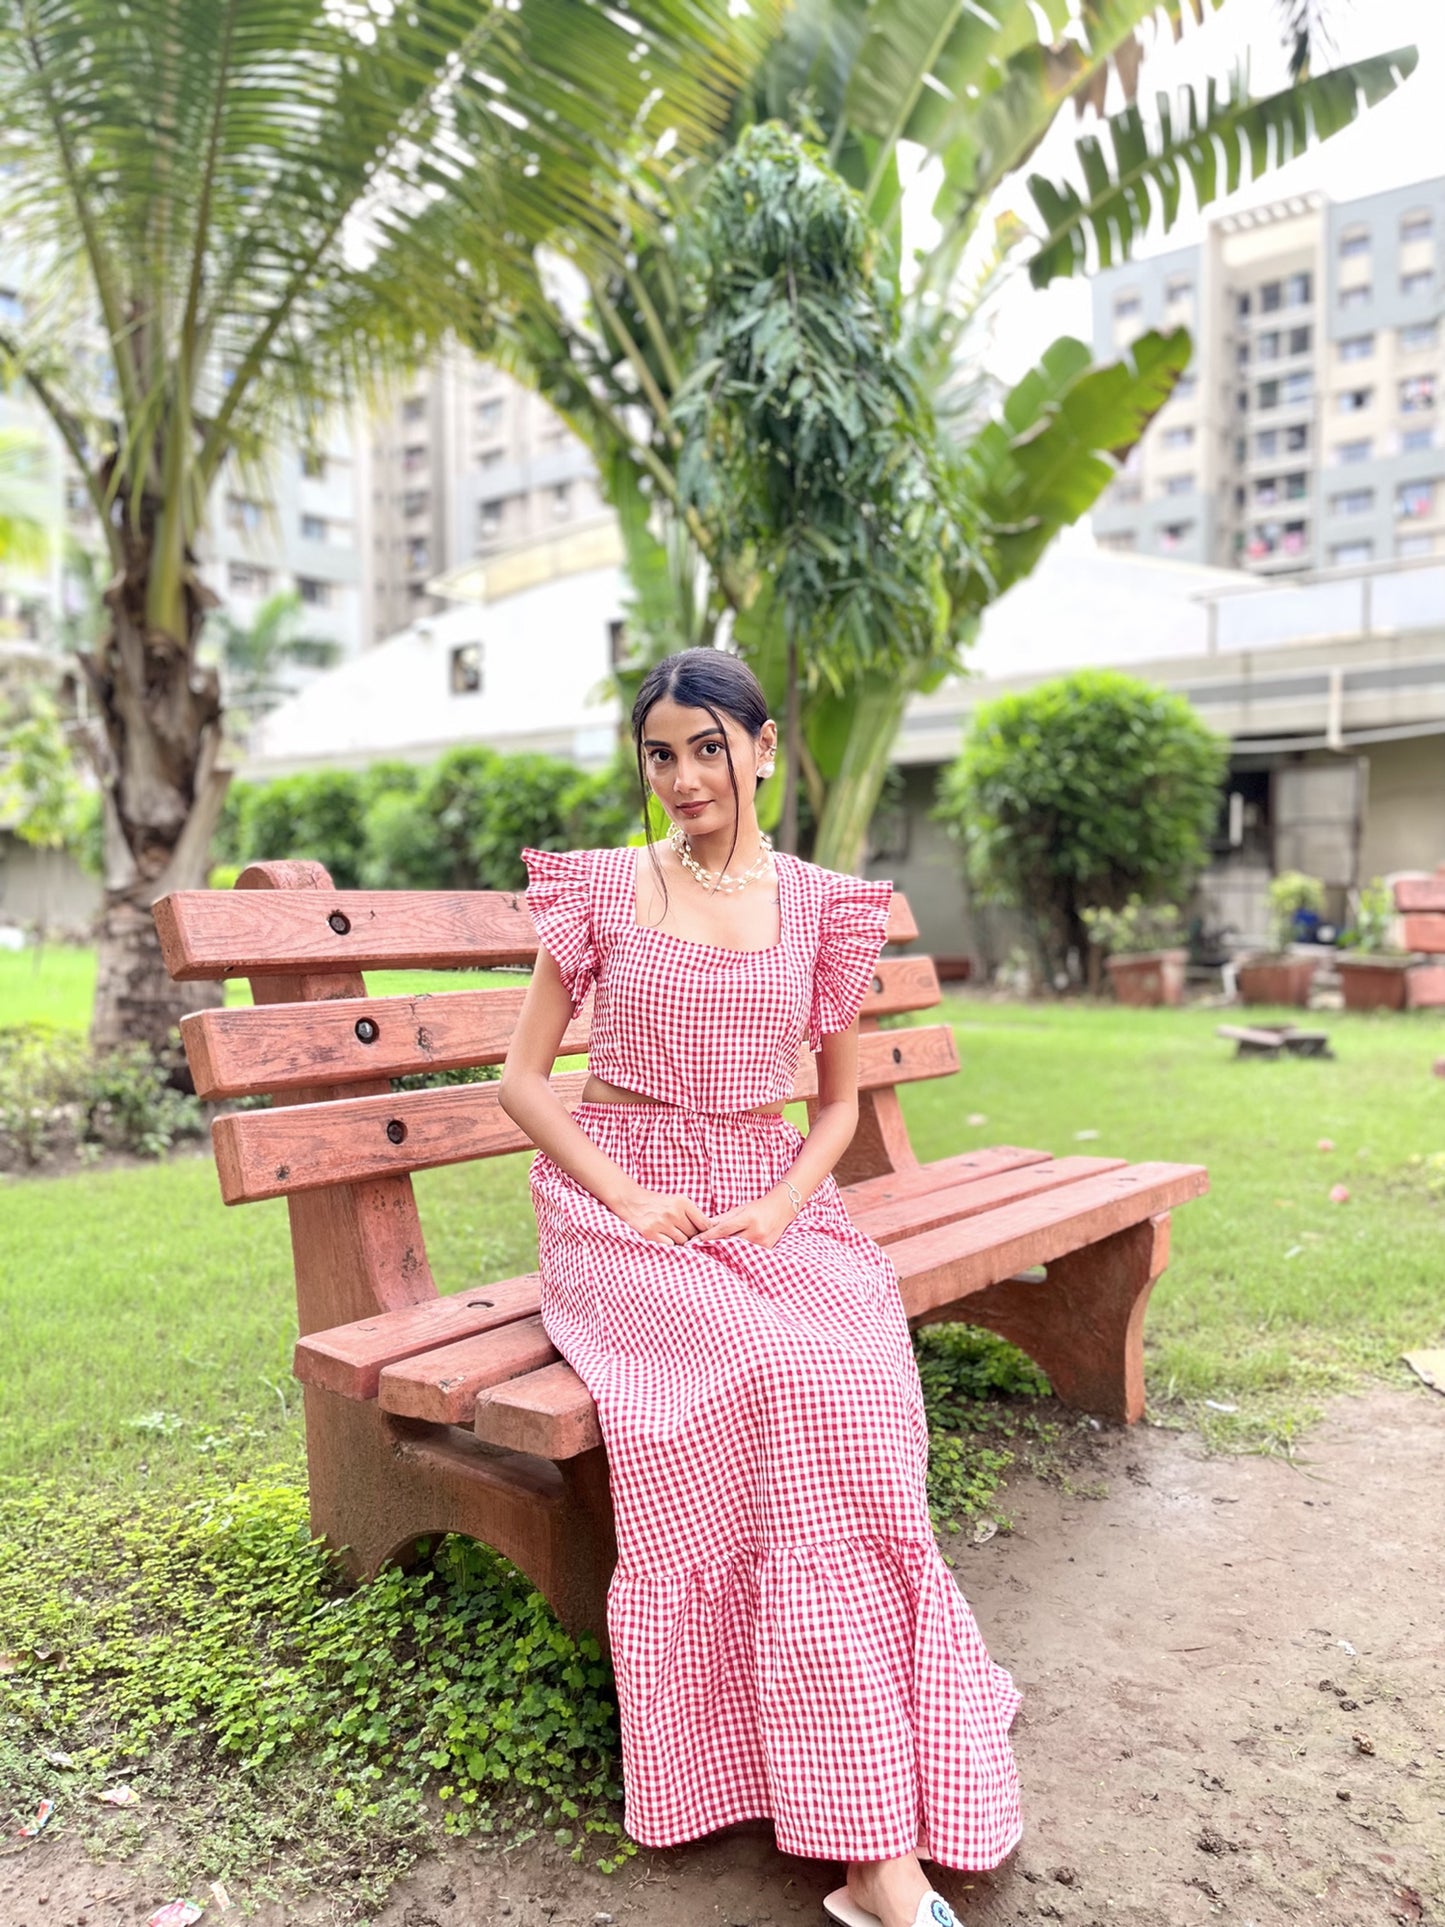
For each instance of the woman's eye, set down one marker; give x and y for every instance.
(712, 745)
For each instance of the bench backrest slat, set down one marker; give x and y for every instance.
(210, 934)
(278, 1048)
(305, 1147)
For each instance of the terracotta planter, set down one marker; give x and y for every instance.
(1148, 977)
(1276, 980)
(1374, 983)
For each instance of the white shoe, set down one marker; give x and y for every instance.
(933, 1911)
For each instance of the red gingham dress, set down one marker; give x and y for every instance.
(787, 1640)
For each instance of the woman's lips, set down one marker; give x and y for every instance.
(691, 809)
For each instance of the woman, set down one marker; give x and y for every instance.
(787, 1640)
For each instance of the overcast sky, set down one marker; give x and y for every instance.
(1403, 139)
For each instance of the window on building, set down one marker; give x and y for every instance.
(1409, 546)
(244, 578)
(415, 502)
(489, 413)
(1126, 492)
(1266, 490)
(1354, 241)
(1297, 438)
(1239, 497)
(616, 640)
(493, 457)
(413, 457)
(1126, 307)
(466, 669)
(1296, 486)
(314, 528)
(1414, 499)
(418, 553)
(1357, 347)
(12, 307)
(1359, 297)
(1350, 401)
(1268, 394)
(1266, 442)
(1413, 439)
(1351, 554)
(1185, 387)
(1267, 346)
(1299, 341)
(490, 517)
(413, 409)
(1353, 451)
(562, 501)
(416, 595)
(1178, 437)
(1241, 354)
(1418, 283)
(1240, 446)
(1297, 387)
(1173, 535)
(1241, 399)
(1178, 485)
(1418, 336)
(1417, 394)
(1270, 297)
(313, 465)
(1178, 288)
(313, 591)
(1353, 501)
(1417, 225)
(244, 514)
(1297, 290)
(1241, 306)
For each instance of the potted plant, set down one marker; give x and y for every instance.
(1373, 971)
(1144, 957)
(1275, 976)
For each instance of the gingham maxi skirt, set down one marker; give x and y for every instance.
(787, 1640)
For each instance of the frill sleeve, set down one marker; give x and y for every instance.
(559, 896)
(851, 932)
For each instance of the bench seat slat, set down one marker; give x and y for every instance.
(305, 1147)
(206, 934)
(886, 1224)
(349, 1359)
(443, 1385)
(240, 1051)
(552, 1409)
(919, 1179)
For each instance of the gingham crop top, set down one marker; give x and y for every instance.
(700, 1024)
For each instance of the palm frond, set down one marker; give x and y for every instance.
(1218, 143)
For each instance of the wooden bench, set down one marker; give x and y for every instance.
(429, 1413)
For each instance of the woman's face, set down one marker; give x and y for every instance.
(687, 766)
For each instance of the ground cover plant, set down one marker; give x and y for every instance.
(169, 1624)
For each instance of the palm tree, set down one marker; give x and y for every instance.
(24, 535)
(244, 213)
(252, 656)
(976, 92)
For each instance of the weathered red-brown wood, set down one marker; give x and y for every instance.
(443, 1385)
(1423, 930)
(216, 933)
(349, 1359)
(885, 1224)
(1420, 893)
(945, 1266)
(279, 1048)
(549, 1412)
(268, 1154)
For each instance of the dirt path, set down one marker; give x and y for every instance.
(1198, 1651)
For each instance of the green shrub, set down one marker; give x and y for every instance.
(1083, 791)
(54, 1097)
(1290, 892)
(1139, 926)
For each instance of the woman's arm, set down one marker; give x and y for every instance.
(764, 1220)
(526, 1096)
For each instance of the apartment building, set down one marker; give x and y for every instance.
(1307, 431)
(465, 463)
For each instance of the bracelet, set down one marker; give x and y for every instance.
(793, 1194)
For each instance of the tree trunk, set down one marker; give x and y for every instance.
(792, 759)
(162, 790)
(842, 841)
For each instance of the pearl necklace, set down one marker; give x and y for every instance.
(722, 881)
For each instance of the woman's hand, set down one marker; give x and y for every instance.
(762, 1222)
(665, 1217)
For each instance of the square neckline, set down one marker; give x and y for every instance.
(700, 943)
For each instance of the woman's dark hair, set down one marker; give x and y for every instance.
(707, 679)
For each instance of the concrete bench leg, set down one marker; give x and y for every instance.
(379, 1483)
(1084, 1325)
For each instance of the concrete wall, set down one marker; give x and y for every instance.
(44, 886)
(1405, 811)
